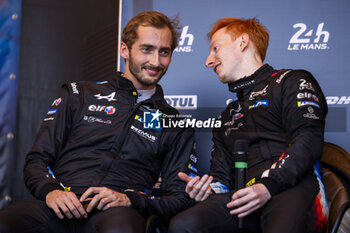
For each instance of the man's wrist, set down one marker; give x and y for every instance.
(136, 199)
(46, 189)
(271, 185)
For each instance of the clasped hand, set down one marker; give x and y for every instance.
(66, 204)
(243, 202)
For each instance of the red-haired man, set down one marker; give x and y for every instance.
(281, 115)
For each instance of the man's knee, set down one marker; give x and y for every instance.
(184, 223)
(118, 220)
(122, 229)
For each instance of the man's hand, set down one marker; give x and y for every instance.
(65, 204)
(198, 189)
(247, 200)
(104, 198)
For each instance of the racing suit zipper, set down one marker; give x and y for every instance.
(117, 145)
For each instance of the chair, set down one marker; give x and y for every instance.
(342, 225)
(155, 224)
(336, 178)
(336, 156)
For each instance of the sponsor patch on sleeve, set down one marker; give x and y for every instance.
(304, 103)
(218, 187)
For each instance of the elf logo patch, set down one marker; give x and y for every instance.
(99, 108)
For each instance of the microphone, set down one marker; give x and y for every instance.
(240, 157)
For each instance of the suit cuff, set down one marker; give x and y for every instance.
(271, 185)
(48, 188)
(136, 199)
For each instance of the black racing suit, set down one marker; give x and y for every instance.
(282, 115)
(94, 135)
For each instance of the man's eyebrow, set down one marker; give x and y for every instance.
(213, 42)
(165, 48)
(211, 45)
(152, 46)
(146, 46)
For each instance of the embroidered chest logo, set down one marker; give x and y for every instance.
(109, 97)
(109, 110)
(235, 116)
(304, 85)
(257, 93)
(279, 80)
(259, 103)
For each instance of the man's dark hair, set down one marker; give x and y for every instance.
(153, 19)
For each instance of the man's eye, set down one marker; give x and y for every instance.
(164, 53)
(145, 50)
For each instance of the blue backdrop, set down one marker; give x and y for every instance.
(9, 43)
(310, 35)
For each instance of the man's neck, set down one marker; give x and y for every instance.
(145, 94)
(251, 65)
(136, 83)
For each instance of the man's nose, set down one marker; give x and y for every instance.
(154, 61)
(210, 61)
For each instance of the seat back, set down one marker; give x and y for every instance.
(342, 224)
(336, 178)
(336, 156)
(337, 196)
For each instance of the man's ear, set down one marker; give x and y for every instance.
(124, 50)
(244, 41)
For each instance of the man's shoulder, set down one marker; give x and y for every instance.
(289, 74)
(286, 79)
(79, 87)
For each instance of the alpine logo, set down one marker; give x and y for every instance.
(185, 37)
(305, 39)
(254, 94)
(109, 97)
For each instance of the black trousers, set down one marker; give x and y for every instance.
(34, 216)
(291, 211)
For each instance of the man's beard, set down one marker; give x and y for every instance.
(135, 70)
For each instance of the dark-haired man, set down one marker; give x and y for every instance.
(94, 164)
